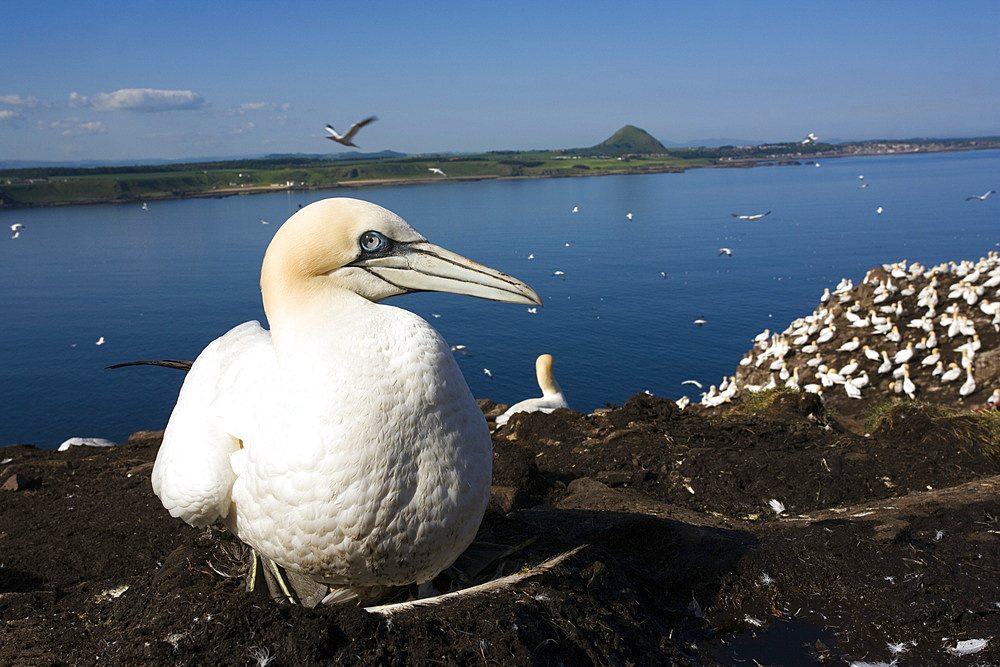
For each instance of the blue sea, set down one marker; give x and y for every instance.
(163, 282)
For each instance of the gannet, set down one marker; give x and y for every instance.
(755, 216)
(981, 197)
(347, 138)
(551, 398)
(343, 445)
(435, 170)
(725, 251)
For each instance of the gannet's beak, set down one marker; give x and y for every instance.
(424, 267)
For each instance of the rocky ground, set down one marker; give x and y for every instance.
(768, 530)
(886, 548)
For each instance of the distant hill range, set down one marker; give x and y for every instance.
(629, 140)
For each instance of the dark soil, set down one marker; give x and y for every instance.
(888, 539)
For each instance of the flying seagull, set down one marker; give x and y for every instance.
(346, 139)
(981, 197)
(435, 170)
(755, 216)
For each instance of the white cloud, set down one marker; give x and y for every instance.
(8, 115)
(244, 129)
(74, 128)
(261, 106)
(29, 102)
(139, 99)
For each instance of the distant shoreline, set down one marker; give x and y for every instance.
(720, 163)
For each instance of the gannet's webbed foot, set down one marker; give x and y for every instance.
(285, 586)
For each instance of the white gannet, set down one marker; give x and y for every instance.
(693, 382)
(810, 138)
(576, 209)
(560, 273)
(981, 197)
(343, 445)
(551, 398)
(700, 321)
(879, 210)
(755, 216)
(435, 170)
(100, 341)
(347, 139)
(85, 442)
(725, 251)
(17, 226)
(629, 215)
(970, 383)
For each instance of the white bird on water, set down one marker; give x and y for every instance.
(343, 445)
(348, 139)
(551, 398)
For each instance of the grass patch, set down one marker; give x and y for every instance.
(966, 429)
(757, 401)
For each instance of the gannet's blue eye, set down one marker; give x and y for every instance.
(372, 241)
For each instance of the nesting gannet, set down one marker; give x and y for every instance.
(981, 197)
(347, 139)
(343, 445)
(435, 170)
(551, 398)
(755, 216)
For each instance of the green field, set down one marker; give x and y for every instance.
(39, 187)
(49, 186)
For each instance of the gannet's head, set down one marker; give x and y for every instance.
(361, 247)
(546, 378)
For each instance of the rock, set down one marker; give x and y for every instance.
(18, 482)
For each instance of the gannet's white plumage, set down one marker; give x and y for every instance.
(344, 443)
(551, 399)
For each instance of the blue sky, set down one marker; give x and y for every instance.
(103, 80)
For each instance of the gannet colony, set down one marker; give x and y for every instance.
(905, 331)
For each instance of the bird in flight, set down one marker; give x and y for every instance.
(809, 139)
(981, 197)
(435, 170)
(725, 251)
(347, 138)
(755, 216)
